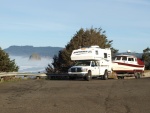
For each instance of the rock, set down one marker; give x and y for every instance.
(35, 56)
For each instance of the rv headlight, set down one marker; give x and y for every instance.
(89, 51)
(84, 69)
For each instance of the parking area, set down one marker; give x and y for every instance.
(76, 96)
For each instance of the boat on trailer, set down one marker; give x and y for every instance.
(127, 65)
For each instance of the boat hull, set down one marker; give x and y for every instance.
(119, 67)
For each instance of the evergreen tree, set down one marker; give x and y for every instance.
(146, 58)
(7, 65)
(82, 38)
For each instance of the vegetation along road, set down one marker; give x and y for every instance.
(76, 96)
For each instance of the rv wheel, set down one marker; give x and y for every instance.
(88, 76)
(105, 76)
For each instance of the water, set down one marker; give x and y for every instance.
(26, 65)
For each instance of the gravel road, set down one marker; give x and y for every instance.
(76, 96)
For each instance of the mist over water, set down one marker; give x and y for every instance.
(26, 65)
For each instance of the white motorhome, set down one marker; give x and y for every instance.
(91, 62)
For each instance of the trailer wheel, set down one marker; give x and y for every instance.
(2, 79)
(120, 77)
(89, 76)
(105, 76)
(137, 75)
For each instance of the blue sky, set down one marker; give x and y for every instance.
(54, 22)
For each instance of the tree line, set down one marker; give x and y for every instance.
(85, 38)
(62, 62)
(6, 64)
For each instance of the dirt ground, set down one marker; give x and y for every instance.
(76, 96)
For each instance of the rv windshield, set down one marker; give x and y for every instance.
(83, 63)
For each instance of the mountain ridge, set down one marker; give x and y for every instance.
(28, 50)
(46, 51)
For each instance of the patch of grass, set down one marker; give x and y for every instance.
(146, 71)
(10, 79)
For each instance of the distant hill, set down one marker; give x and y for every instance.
(29, 50)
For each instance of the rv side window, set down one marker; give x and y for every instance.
(93, 63)
(96, 52)
(105, 55)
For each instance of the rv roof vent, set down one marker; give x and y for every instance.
(95, 46)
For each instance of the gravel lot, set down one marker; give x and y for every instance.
(76, 96)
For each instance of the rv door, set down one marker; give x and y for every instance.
(95, 68)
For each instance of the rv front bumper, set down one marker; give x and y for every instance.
(71, 74)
